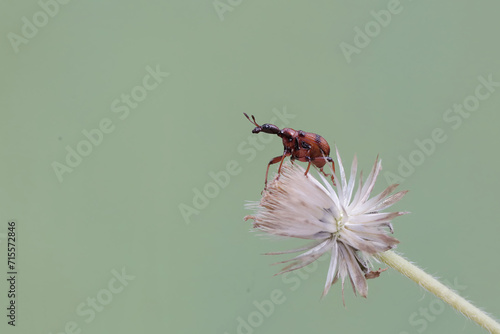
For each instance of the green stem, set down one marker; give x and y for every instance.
(440, 290)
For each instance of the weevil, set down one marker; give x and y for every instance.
(299, 145)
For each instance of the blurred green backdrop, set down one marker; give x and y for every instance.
(116, 115)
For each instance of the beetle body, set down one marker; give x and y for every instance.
(299, 145)
(311, 145)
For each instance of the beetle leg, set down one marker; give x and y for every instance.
(325, 174)
(308, 166)
(281, 164)
(273, 161)
(329, 159)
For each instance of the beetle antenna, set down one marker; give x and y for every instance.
(251, 120)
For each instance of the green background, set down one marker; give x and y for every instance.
(121, 206)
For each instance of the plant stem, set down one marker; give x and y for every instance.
(440, 290)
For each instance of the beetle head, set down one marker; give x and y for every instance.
(266, 128)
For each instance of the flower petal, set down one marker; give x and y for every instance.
(342, 185)
(373, 217)
(370, 182)
(332, 192)
(306, 258)
(312, 245)
(369, 205)
(352, 179)
(370, 243)
(332, 269)
(356, 275)
(357, 195)
(318, 249)
(390, 200)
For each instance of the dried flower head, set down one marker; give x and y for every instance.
(347, 224)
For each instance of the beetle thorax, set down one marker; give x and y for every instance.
(288, 134)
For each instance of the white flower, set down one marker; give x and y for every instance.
(347, 224)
